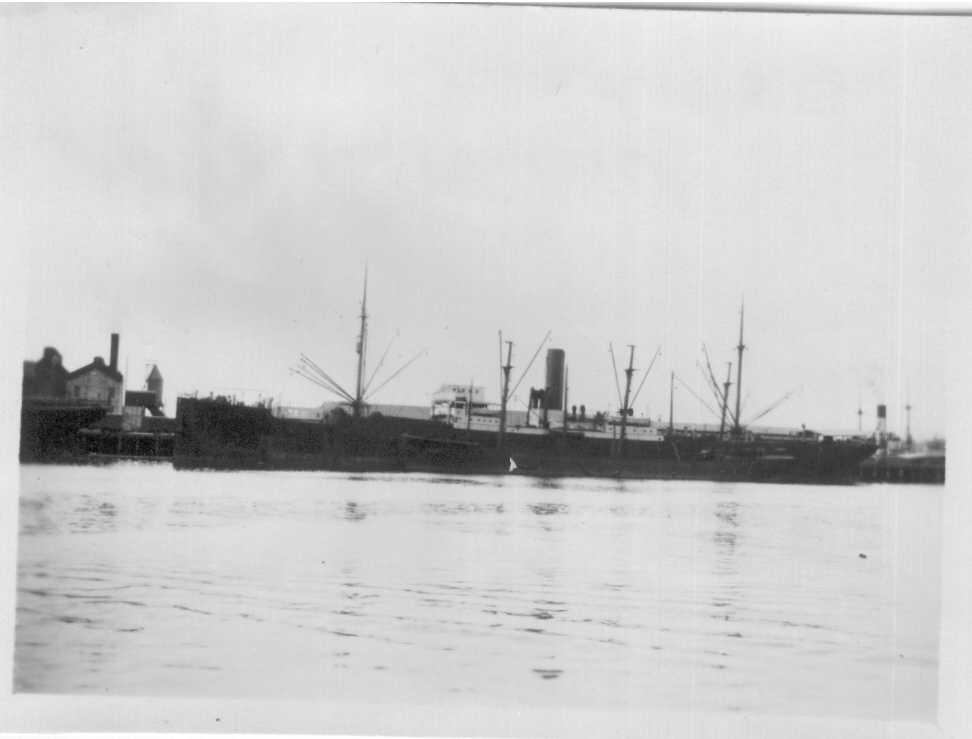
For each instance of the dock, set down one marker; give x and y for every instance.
(904, 468)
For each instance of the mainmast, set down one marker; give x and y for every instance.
(310, 370)
(506, 388)
(736, 428)
(627, 395)
(358, 404)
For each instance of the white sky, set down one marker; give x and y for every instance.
(209, 181)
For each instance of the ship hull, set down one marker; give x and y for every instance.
(218, 435)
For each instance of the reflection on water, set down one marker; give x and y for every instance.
(506, 591)
(353, 513)
(728, 592)
(548, 509)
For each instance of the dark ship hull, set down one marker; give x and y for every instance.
(215, 434)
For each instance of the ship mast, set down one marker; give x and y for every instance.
(725, 399)
(506, 388)
(909, 442)
(671, 404)
(358, 403)
(566, 389)
(627, 395)
(737, 429)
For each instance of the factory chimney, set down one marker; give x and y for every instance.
(114, 353)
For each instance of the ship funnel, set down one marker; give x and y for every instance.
(555, 380)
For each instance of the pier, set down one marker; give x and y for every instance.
(904, 468)
(130, 437)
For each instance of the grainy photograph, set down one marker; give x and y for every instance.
(508, 358)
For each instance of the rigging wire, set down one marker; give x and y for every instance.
(397, 372)
(715, 392)
(712, 377)
(617, 382)
(307, 360)
(307, 370)
(696, 395)
(535, 354)
(319, 383)
(650, 365)
(381, 361)
(775, 405)
(306, 374)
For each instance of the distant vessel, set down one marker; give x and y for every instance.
(461, 436)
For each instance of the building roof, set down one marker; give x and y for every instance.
(98, 365)
(154, 374)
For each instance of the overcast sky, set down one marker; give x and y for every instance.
(210, 181)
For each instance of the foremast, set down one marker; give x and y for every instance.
(357, 405)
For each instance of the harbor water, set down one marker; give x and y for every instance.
(507, 591)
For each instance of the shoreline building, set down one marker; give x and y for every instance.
(98, 382)
(141, 431)
(56, 404)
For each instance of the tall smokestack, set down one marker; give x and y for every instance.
(555, 380)
(114, 352)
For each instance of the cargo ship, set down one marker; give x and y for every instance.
(217, 433)
(461, 435)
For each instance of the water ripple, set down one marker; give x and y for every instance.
(424, 588)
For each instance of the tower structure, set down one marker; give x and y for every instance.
(153, 383)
